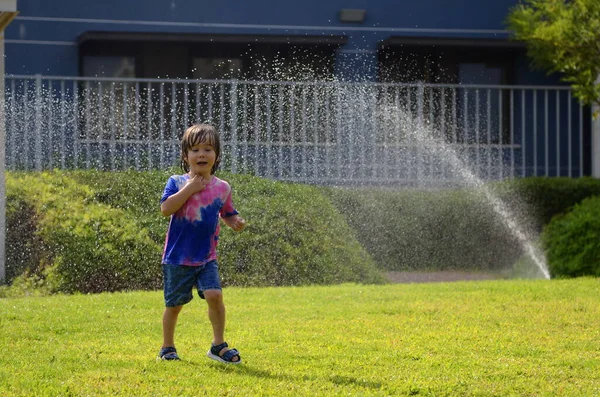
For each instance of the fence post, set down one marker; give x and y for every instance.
(234, 138)
(38, 122)
(420, 130)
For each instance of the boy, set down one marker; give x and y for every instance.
(195, 201)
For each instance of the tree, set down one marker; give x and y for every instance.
(562, 36)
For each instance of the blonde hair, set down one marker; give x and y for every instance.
(196, 134)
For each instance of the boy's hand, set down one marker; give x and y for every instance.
(235, 222)
(196, 183)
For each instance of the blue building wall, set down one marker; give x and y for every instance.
(43, 38)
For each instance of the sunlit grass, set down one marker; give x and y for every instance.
(464, 338)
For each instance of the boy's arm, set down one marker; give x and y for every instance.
(230, 216)
(175, 201)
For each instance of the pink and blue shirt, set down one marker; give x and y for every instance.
(193, 231)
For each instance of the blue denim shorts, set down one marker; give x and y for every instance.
(179, 281)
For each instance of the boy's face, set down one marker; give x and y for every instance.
(201, 157)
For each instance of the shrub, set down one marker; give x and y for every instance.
(425, 230)
(546, 197)
(89, 246)
(455, 228)
(100, 231)
(137, 193)
(94, 231)
(572, 241)
(295, 236)
(23, 246)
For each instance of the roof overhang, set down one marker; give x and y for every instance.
(97, 36)
(395, 42)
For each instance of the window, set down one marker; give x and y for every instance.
(474, 114)
(216, 68)
(108, 66)
(480, 108)
(480, 73)
(105, 105)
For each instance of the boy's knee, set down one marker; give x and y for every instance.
(173, 309)
(213, 295)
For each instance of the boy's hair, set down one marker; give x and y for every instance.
(196, 134)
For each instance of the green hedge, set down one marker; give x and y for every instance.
(547, 197)
(86, 245)
(572, 241)
(92, 231)
(428, 230)
(455, 228)
(23, 245)
(295, 236)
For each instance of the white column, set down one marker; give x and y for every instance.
(596, 137)
(8, 11)
(2, 166)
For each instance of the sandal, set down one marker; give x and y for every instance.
(227, 357)
(168, 354)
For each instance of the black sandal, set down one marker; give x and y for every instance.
(168, 354)
(227, 357)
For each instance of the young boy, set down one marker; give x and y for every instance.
(195, 201)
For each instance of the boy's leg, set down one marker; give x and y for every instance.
(169, 322)
(216, 315)
(178, 285)
(209, 284)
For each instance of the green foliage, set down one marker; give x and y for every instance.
(23, 245)
(572, 241)
(428, 230)
(92, 231)
(546, 197)
(455, 229)
(294, 236)
(44, 282)
(562, 36)
(492, 338)
(137, 193)
(89, 246)
(101, 231)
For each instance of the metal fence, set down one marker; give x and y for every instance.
(313, 132)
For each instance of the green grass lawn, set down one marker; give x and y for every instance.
(465, 338)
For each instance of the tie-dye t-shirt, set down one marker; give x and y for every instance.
(193, 231)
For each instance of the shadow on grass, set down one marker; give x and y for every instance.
(348, 381)
(245, 369)
(259, 373)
